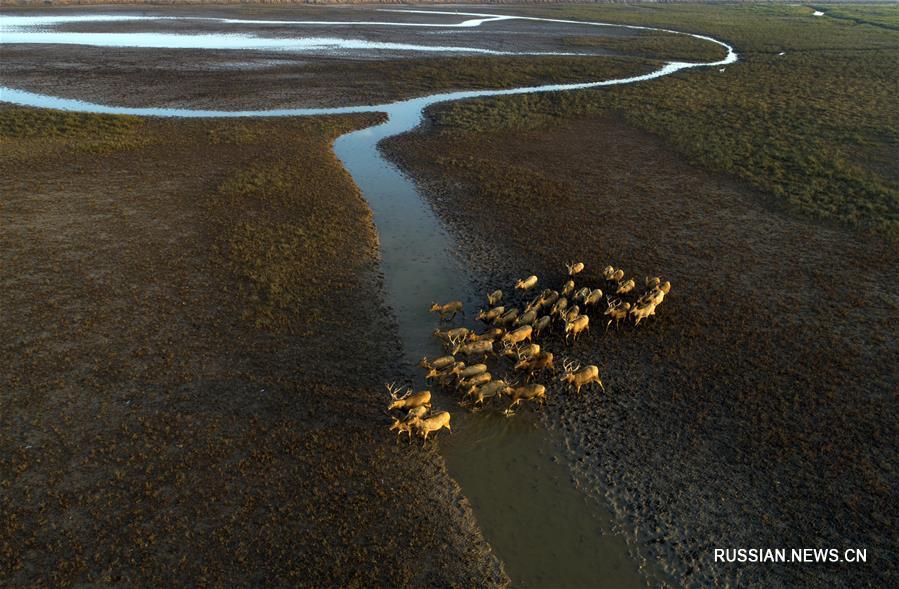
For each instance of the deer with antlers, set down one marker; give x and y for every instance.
(581, 294)
(538, 363)
(445, 373)
(578, 377)
(616, 312)
(450, 309)
(408, 400)
(451, 334)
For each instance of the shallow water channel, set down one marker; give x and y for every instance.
(541, 526)
(530, 511)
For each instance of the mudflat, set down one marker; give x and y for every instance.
(193, 364)
(758, 408)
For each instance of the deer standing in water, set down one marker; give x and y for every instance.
(432, 423)
(450, 309)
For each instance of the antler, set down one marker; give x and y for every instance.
(567, 364)
(391, 388)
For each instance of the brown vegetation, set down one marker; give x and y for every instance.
(173, 411)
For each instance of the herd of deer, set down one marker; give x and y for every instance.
(510, 334)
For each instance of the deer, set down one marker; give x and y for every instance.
(527, 351)
(548, 298)
(642, 311)
(654, 296)
(490, 315)
(441, 374)
(581, 294)
(450, 309)
(616, 312)
(608, 272)
(473, 370)
(541, 324)
(407, 401)
(571, 314)
(578, 377)
(437, 363)
(526, 283)
(450, 334)
(486, 391)
(574, 327)
(491, 334)
(401, 426)
(507, 318)
(528, 392)
(618, 276)
(475, 381)
(536, 363)
(518, 336)
(626, 286)
(481, 348)
(525, 319)
(494, 297)
(574, 268)
(559, 307)
(652, 281)
(593, 298)
(567, 288)
(432, 423)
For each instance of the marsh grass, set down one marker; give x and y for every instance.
(816, 128)
(77, 131)
(295, 248)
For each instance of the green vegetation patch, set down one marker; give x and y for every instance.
(81, 131)
(283, 220)
(816, 127)
(652, 44)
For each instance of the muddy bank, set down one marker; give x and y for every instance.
(758, 409)
(193, 367)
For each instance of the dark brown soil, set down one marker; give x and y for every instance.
(192, 369)
(759, 408)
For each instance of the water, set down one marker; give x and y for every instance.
(545, 531)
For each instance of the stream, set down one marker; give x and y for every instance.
(545, 530)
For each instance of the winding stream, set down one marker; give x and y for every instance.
(540, 525)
